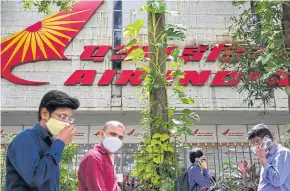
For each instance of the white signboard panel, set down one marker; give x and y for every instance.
(133, 134)
(202, 134)
(7, 130)
(284, 133)
(232, 133)
(82, 135)
(92, 134)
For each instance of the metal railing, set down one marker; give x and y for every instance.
(217, 155)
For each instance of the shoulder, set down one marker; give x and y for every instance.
(92, 155)
(25, 136)
(193, 169)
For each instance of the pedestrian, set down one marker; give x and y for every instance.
(199, 178)
(34, 155)
(97, 170)
(274, 158)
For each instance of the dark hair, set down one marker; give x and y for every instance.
(261, 131)
(55, 99)
(195, 153)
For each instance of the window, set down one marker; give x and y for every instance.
(117, 30)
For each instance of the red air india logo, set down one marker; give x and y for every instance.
(195, 132)
(44, 40)
(131, 133)
(226, 132)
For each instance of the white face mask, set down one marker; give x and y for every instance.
(112, 144)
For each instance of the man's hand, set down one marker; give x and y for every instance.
(262, 154)
(202, 164)
(66, 135)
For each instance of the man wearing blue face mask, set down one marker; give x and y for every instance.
(275, 160)
(97, 170)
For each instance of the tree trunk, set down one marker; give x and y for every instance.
(158, 95)
(286, 28)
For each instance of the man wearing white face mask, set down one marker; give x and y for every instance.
(96, 170)
(274, 158)
(34, 155)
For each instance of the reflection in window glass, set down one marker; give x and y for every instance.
(117, 20)
(117, 38)
(118, 5)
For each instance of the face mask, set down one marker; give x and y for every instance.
(112, 144)
(55, 126)
(266, 141)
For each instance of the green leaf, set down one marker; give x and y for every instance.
(287, 63)
(173, 64)
(177, 74)
(133, 29)
(155, 142)
(158, 159)
(156, 6)
(175, 53)
(156, 136)
(175, 32)
(140, 168)
(164, 137)
(136, 55)
(133, 42)
(187, 100)
(145, 68)
(143, 8)
(149, 149)
(149, 167)
(187, 111)
(287, 90)
(176, 121)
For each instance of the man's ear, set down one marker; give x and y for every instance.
(100, 133)
(44, 114)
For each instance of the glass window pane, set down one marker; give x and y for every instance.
(118, 5)
(117, 20)
(117, 38)
(117, 65)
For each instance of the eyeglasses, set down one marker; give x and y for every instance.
(66, 118)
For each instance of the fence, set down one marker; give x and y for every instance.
(219, 158)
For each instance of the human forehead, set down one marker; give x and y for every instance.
(116, 129)
(64, 111)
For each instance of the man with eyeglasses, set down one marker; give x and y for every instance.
(97, 170)
(34, 156)
(274, 158)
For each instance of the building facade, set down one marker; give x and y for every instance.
(76, 53)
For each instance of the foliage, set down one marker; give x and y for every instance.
(239, 176)
(286, 142)
(163, 122)
(8, 138)
(46, 6)
(261, 25)
(68, 175)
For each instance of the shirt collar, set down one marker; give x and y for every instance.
(41, 131)
(101, 149)
(273, 149)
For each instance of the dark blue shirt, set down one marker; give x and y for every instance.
(32, 162)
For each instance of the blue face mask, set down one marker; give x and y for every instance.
(266, 141)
